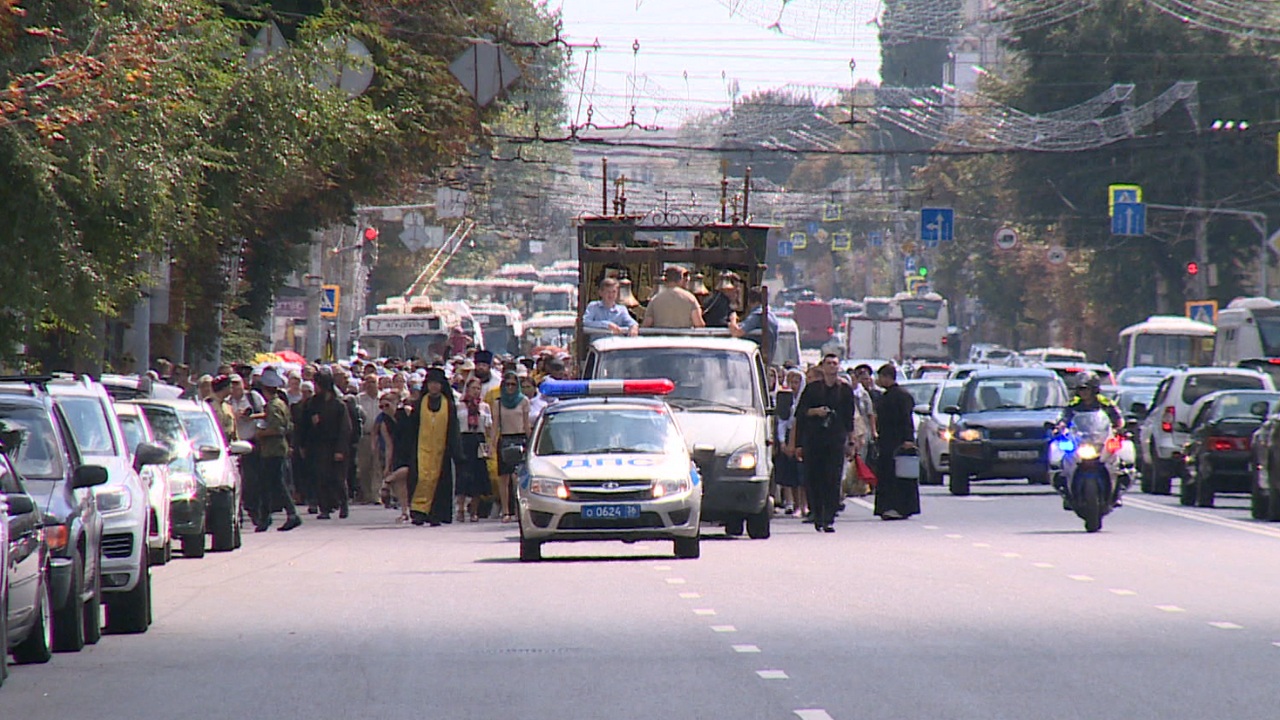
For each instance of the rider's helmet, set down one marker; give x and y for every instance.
(1088, 380)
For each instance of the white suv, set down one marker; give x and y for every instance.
(1160, 439)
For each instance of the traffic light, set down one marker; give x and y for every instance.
(1193, 268)
(371, 234)
(923, 271)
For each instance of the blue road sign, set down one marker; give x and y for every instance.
(329, 298)
(911, 263)
(1205, 311)
(1129, 219)
(875, 238)
(785, 248)
(937, 225)
(812, 228)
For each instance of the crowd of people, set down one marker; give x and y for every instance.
(423, 438)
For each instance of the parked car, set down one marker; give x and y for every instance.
(25, 601)
(921, 392)
(132, 387)
(1161, 445)
(123, 502)
(1264, 450)
(933, 431)
(211, 503)
(1003, 424)
(38, 443)
(155, 477)
(1218, 448)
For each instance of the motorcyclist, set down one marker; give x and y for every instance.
(1088, 399)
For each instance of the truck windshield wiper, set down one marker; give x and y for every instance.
(676, 402)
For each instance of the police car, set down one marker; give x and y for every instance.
(607, 462)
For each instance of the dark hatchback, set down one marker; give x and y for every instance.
(1001, 426)
(1219, 448)
(39, 445)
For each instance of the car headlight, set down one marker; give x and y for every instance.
(945, 434)
(744, 458)
(114, 499)
(549, 487)
(663, 488)
(1087, 452)
(182, 485)
(970, 435)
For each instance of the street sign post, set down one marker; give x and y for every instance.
(330, 296)
(1122, 194)
(875, 238)
(842, 241)
(1006, 238)
(910, 264)
(1129, 219)
(937, 225)
(784, 248)
(1205, 311)
(799, 241)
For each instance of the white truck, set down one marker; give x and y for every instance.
(869, 337)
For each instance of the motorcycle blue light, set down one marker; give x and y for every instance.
(1066, 445)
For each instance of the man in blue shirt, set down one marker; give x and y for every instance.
(606, 315)
(752, 324)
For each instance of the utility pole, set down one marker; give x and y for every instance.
(314, 280)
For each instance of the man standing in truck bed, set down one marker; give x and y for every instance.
(674, 307)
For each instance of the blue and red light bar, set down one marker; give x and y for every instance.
(582, 388)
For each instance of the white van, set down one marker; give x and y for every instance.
(788, 343)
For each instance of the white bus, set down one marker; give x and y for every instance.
(1167, 341)
(1248, 329)
(408, 330)
(925, 320)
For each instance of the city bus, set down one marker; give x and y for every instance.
(925, 318)
(1167, 341)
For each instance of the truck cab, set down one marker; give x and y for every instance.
(721, 403)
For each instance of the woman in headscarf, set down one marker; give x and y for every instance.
(510, 429)
(476, 422)
(431, 432)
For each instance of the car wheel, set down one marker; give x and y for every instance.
(235, 545)
(93, 612)
(4, 635)
(1204, 490)
(1186, 492)
(1090, 509)
(926, 468)
(688, 548)
(1258, 505)
(1039, 479)
(222, 523)
(733, 526)
(758, 524)
(530, 550)
(1273, 505)
(68, 623)
(168, 550)
(1145, 475)
(958, 479)
(129, 612)
(193, 545)
(38, 647)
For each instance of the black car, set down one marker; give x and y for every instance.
(1002, 425)
(25, 599)
(1218, 451)
(39, 446)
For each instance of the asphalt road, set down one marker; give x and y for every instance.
(992, 606)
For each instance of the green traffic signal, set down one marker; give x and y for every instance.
(923, 271)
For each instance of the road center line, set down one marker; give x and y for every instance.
(1201, 517)
(746, 648)
(954, 536)
(813, 715)
(982, 545)
(662, 568)
(772, 674)
(724, 628)
(1221, 625)
(1011, 555)
(675, 581)
(930, 527)
(690, 596)
(863, 503)
(1081, 578)
(1042, 565)
(704, 611)
(1170, 608)
(1123, 592)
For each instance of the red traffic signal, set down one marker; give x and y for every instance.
(371, 234)
(1193, 268)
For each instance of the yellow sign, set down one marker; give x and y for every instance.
(1205, 311)
(842, 241)
(1122, 194)
(330, 296)
(799, 241)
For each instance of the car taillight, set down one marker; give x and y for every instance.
(55, 536)
(1227, 444)
(1166, 419)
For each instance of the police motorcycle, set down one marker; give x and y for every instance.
(1092, 466)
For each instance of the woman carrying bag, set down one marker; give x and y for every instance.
(475, 419)
(511, 428)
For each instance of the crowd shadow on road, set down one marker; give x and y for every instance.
(566, 559)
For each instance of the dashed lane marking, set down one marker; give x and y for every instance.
(1081, 578)
(724, 628)
(1122, 592)
(982, 545)
(813, 715)
(1222, 625)
(746, 648)
(772, 674)
(662, 568)
(690, 596)
(704, 611)
(862, 503)
(1011, 555)
(675, 581)
(1233, 524)
(1042, 565)
(930, 527)
(1170, 608)
(953, 536)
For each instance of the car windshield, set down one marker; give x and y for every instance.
(950, 396)
(1197, 386)
(1014, 393)
(200, 428)
(606, 430)
(921, 392)
(29, 441)
(717, 377)
(1242, 405)
(90, 426)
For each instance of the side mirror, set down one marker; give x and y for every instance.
(88, 476)
(150, 454)
(921, 409)
(240, 447)
(512, 455)
(19, 504)
(951, 409)
(205, 453)
(1138, 409)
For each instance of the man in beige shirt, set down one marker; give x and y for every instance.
(674, 306)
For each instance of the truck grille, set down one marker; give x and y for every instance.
(119, 545)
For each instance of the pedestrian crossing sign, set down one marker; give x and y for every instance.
(329, 298)
(842, 241)
(799, 241)
(1122, 194)
(1205, 311)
